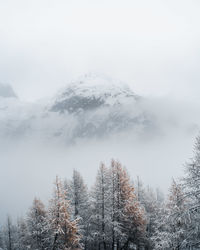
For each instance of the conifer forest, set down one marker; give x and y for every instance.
(115, 213)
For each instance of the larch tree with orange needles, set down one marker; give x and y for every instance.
(65, 233)
(128, 216)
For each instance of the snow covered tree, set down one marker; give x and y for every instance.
(172, 222)
(177, 218)
(128, 219)
(117, 220)
(9, 235)
(64, 231)
(101, 218)
(192, 192)
(159, 238)
(37, 225)
(153, 209)
(9, 242)
(159, 196)
(23, 240)
(1, 239)
(77, 193)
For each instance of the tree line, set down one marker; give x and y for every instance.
(115, 214)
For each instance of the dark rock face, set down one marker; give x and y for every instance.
(77, 103)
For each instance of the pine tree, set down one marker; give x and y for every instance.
(1, 239)
(23, 239)
(77, 193)
(128, 219)
(153, 209)
(172, 222)
(64, 230)
(9, 235)
(177, 206)
(160, 236)
(134, 217)
(37, 224)
(100, 219)
(192, 192)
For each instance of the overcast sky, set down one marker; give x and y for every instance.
(152, 45)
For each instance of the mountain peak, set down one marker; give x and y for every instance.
(92, 91)
(101, 83)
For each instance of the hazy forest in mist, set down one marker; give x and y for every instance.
(99, 125)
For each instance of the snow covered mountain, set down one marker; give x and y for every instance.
(91, 92)
(100, 106)
(91, 107)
